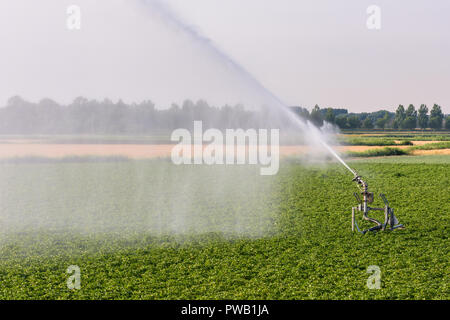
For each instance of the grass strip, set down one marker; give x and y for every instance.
(432, 146)
(382, 152)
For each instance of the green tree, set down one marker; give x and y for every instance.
(329, 116)
(301, 112)
(410, 120)
(367, 123)
(423, 117)
(400, 115)
(382, 122)
(316, 116)
(341, 121)
(436, 117)
(354, 122)
(447, 122)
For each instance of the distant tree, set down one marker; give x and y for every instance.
(80, 101)
(84, 116)
(354, 122)
(339, 111)
(329, 116)
(316, 116)
(410, 121)
(301, 112)
(411, 111)
(16, 101)
(395, 124)
(341, 121)
(423, 117)
(18, 116)
(382, 122)
(447, 122)
(367, 123)
(378, 114)
(144, 116)
(49, 117)
(400, 115)
(188, 106)
(436, 117)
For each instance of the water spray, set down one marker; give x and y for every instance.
(368, 197)
(171, 18)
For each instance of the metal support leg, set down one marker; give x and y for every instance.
(386, 217)
(353, 219)
(392, 218)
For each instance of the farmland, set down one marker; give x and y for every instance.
(146, 147)
(142, 229)
(212, 159)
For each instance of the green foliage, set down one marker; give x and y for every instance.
(436, 117)
(411, 111)
(393, 151)
(433, 146)
(411, 136)
(88, 117)
(329, 116)
(308, 253)
(341, 121)
(410, 121)
(316, 116)
(373, 141)
(423, 117)
(354, 122)
(301, 112)
(381, 122)
(367, 123)
(400, 116)
(378, 152)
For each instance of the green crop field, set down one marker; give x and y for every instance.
(149, 230)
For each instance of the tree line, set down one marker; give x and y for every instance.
(402, 118)
(84, 116)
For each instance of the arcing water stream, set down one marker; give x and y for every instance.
(169, 17)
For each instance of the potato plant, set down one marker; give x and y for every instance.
(220, 233)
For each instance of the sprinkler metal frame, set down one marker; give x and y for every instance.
(368, 197)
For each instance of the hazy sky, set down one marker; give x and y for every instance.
(305, 52)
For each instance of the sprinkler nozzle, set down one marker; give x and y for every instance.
(359, 180)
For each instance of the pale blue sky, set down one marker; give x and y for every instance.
(305, 52)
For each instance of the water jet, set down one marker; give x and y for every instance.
(280, 112)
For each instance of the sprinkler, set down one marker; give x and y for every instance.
(389, 217)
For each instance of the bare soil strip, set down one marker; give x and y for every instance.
(144, 151)
(431, 152)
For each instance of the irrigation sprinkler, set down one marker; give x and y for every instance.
(390, 220)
